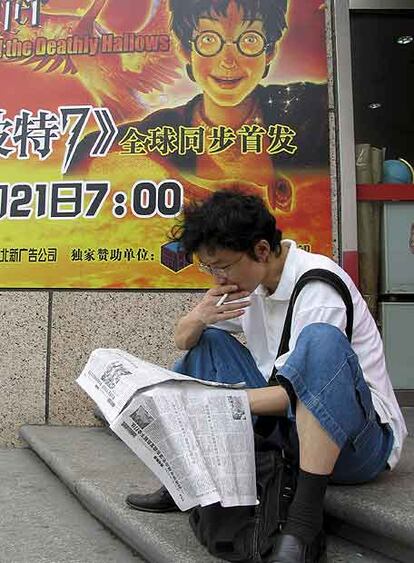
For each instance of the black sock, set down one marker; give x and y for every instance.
(305, 517)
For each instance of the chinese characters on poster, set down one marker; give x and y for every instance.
(115, 112)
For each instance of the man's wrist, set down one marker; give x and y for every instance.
(194, 319)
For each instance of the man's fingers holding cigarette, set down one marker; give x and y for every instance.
(228, 297)
(227, 307)
(222, 299)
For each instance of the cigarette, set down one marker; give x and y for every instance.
(222, 300)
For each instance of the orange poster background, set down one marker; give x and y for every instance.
(301, 57)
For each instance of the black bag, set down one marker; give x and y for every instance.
(247, 533)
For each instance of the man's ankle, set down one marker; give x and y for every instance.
(305, 517)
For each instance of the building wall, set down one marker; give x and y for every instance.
(46, 339)
(47, 336)
(23, 359)
(140, 322)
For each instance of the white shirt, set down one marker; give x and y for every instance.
(262, 325)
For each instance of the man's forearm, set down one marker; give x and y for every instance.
(268, 401)
(209, 311)
(188, 332)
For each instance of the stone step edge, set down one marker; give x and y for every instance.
(385, 546)
(371, 527)
(92, 499)
(354, 527)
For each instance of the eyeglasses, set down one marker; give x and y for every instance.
(218, 272)
(249, 43)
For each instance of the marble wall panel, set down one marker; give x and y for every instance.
(23, 363)
(139, 322)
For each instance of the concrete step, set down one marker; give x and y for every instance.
(100, 470)
(379, 515)
(41, 522)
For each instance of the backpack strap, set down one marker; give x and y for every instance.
(317, 274)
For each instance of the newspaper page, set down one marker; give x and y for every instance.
(112, 376)
(196, 436)
(198, 441)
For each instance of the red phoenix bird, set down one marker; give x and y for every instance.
(115, 80)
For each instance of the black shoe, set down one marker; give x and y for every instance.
(290, 549)
(160, 501)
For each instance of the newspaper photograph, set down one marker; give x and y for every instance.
(196, 438)
(198, 442)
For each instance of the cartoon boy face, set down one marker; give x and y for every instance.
(228, 55)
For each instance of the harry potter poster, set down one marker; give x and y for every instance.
(113, 113)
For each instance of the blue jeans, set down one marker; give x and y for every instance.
(326, 377)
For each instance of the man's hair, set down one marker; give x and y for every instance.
(227, 220)
(186, 13)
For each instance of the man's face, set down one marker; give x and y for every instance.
(229, 267)
(228, 77)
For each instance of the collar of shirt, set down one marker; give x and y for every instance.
(287, 279)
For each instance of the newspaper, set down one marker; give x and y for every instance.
(111, 376)
(196, 436)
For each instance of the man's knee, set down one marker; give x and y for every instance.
(318, 336)
(213, 336)
(321, 352)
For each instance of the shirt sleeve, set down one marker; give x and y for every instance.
(233, 326)
(316, 303)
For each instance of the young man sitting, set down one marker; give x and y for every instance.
(347, 419)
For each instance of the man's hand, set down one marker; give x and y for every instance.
(190, 327)
(207, 312)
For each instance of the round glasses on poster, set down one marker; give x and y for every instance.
(397, 172)
(210, 43)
